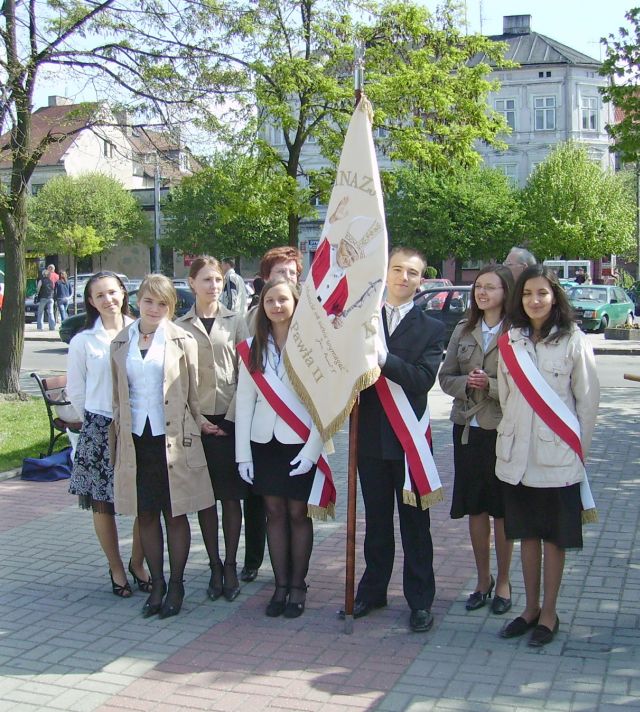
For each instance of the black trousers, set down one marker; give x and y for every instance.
(255, 530)
(380, 480)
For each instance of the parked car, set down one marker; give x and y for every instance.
(70, 327)
(448, 304)
(429, 283)
(598, 306)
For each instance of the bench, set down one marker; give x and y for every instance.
(52, 389)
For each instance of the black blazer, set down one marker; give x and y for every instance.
(415, 353)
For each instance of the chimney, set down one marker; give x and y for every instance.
(59, 101)
(516, 24)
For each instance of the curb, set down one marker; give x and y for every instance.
(624, 351)
(10, 474)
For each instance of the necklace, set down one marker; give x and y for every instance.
(145, 337)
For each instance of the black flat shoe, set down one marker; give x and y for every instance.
(501, 605)
(173, 600)
(230, 592)
(248, 574)
(477, 599)
(420, 621)
(276, 607)
(294, 609)
(214, 590)
(363, 608)
(144, 586)
(118, 590)
(518, 626)
(151, 609)
(542, 635)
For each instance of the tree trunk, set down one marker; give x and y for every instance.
(293, 230)
(12, 322)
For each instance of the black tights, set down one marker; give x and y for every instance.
(290, 539)
(178, 543)
(231, 526)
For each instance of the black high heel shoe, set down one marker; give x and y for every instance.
(173, 601)
(231, 592)
(144, 586)
(215, 588)
(276, 607)
(118, 590)
(151, 609)
(294, 609)
(477, 599)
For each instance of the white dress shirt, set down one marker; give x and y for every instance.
(89, 371)
(146, 381)
(400, 314)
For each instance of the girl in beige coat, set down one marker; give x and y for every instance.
(217, 331)
(156, 437)
(469, 374)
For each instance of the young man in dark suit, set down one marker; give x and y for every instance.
(415, 344)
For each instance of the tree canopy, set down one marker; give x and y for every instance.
(469, 213)
(572, 208)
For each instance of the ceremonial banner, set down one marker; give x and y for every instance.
(330, 354)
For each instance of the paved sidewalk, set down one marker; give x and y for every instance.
(66, 643)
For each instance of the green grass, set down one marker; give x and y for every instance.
(24, 431)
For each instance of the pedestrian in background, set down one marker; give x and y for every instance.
(549, 394)
(518, 260)
(271, 455)
(90, 392)
(234, 293)
(45, 292)
(62, 293)
(160, 466)
(469, 374)
(217, 331)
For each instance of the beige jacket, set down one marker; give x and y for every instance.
(189, 482)
(464, 354)
(527, 450)
(217, 357)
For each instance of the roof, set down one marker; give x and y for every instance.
(64, 122)
(532, 48)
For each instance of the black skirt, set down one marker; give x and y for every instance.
(476, 489)
(553, 514)
(152, 475)
(220, 451)
(271, 468)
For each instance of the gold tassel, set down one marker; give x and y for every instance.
(589, 516)
(409, 497)
(427, 500)
(321, 513)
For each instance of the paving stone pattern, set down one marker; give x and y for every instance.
(66, 643)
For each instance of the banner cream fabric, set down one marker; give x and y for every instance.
(330, 355)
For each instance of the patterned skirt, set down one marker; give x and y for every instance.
(92, 474)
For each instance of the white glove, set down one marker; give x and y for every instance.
(381, 350)
(304, 465)
(246, 471)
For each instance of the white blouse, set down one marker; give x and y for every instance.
(146, 381)
(89, 371)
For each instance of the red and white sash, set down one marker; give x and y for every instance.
(549, 407)
(286, 404)
(421, 473)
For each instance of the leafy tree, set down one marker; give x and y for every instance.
(84, 215)
(573, 208)
(296, 58)
(142, 55)
(469, 213)
(232, 207)
(622, 67)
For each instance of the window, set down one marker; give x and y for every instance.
(380, 132)
(509, 169)
(544, 109)
(36, 188)
(590, 113)
(107, 148)
(507, 107)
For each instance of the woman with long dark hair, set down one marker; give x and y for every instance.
(469, 374)
(270, 454)
(549, 393)
(217, 331)
(89, 390)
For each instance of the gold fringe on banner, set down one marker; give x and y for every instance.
(409, 497)
(426, 501)
(321, 513)
(589, 516)
(367, 379)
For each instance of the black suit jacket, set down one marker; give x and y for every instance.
(415, 353)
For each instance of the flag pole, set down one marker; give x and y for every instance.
(352, 463)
